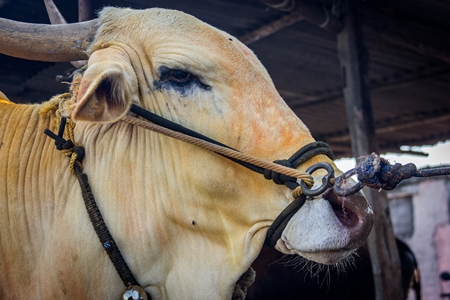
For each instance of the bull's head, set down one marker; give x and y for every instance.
(191, 73)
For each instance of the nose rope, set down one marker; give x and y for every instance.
(224, 151)
(376, 172)
(280, 171)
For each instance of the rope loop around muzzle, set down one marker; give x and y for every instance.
(279, 178)
(302, 155)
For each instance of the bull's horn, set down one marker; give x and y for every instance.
(56, 17)
(53, 43)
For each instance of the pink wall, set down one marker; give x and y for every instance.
(429, 236)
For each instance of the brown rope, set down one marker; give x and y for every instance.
(307, 178)
(75, 151)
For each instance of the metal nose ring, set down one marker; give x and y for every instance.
(327, 180)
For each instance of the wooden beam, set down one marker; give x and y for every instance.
(420, 122)
(396, 127)
(431, 138)
(4, 2)
(85, 10)
(385, 28)
(311, 10)
(53, 13)
(415, 36)
(403, 81)
(428, 50)
(381, 243)
(416, 153)
(56, 17)
(271, 28)
(337, 148)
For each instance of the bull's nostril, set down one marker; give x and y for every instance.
(354, 213)
(344, 214)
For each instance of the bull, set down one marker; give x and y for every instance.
(188, 222)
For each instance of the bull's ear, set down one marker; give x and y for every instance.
(107, 88)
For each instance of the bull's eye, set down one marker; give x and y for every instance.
(179, 76)
(179, 80)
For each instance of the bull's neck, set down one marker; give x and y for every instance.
(28, 152)
(181, 198)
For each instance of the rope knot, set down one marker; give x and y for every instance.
(75, 151)
(79, 151)
(76, 155)
(64, 145)
(376, 172)
(279, 178)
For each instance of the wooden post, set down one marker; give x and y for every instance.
(85, 10)
(381, 242)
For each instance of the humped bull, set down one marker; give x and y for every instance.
(187, 221)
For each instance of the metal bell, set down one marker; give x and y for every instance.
(134, 292)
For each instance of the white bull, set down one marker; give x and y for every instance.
(188, 222)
